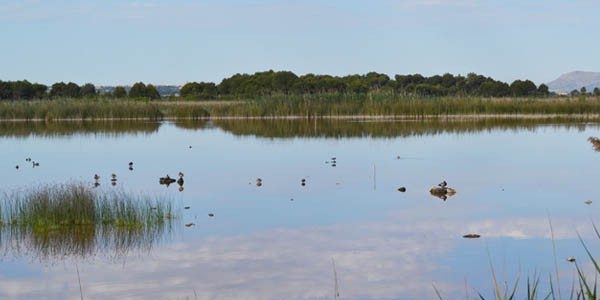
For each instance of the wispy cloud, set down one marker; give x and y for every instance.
(376, 260)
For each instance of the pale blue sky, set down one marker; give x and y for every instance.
(172, 42)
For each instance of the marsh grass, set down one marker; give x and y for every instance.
(71, 109)
(323, 106)
(303, 106)
(73, 219)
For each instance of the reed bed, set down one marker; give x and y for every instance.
(69, 205)
(306, 106)
(71, 109)
(409, 106)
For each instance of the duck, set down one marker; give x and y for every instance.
(96, 177)
(443, 184)
(471, 236)
(166, 180)
(17, 167)
(130, 164)
(180, 180)
(113, 177)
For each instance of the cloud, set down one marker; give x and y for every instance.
(375, 260)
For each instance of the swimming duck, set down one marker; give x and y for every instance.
(180, 180)
(96, 177)
(443, 184)
(166, 180)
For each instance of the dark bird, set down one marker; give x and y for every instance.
(471, 236)
(166, 180)
(131, 164)
(114, 177)
(443, 183)
(17, 167)
(187, 207)
(211, 215)
(96, 177)
(180, 180)
(189, 224)
(402, 189)
(28, 159)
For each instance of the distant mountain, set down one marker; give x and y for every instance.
(575, 81)
(163, 90)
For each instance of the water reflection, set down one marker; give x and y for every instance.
(290, 128)
(329, 128)
(389, 259)
(69, 128)
(82, 242)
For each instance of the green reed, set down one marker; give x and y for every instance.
(97, 110)
(307, 106)
(62, 206)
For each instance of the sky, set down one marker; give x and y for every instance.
(109, 42)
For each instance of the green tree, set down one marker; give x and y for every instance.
(152, 92)
(119, 92)
(138, 90)
(596, 91)
(583, 91)
(88, 90)
(58, 89)
(523, 88)
(543, 90)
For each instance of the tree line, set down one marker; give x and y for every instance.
(287, 83)
(25, 90)
(272, 83)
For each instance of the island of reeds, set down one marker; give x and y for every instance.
(74, 219)
(275, 94)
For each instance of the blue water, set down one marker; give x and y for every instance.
(262, 245)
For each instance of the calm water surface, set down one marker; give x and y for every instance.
(261, 244)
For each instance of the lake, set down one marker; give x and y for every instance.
(347, 228)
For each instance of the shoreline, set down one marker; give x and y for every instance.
(445, 117)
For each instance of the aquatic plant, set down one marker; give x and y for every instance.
(74, 219)
(300, 106)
